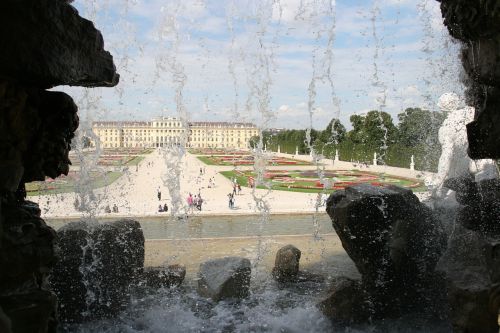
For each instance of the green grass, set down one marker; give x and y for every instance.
(39, 188)
(136, 160)
(243, 181)
(207, 160)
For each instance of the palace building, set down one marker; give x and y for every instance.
(165, 131)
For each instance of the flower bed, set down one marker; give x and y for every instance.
(335, 180)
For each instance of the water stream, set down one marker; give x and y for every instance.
(177, 58)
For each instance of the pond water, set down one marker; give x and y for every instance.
(196, 227)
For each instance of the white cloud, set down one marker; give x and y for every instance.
(204, 54)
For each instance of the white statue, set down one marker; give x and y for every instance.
(454, 161)
(412, 163)
(374, 158)
(336, 155)
(279, 149)
(296, 150)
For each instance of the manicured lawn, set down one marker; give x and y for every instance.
(308, 181)
(206, 159)
(136, 160)
(228, 160)
(67, 184)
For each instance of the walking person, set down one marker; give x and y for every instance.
(159, 194)
(190, 202)
(200, 202)
(239, 189)
(230, 197)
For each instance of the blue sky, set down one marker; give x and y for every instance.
(180, 58)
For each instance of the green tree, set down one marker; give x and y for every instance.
(375, 129)
(357, 135)
(334, 132)
(379, 129)
(417, 126)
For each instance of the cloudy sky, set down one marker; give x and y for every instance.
(277, 63)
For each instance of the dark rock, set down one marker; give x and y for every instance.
(46, 43)
(27, 246)
(50, 144)
(481, 60)
(26, 257)
(347, 302)
(38, 127)
(98, 264)
(164, 277)
(31, 311)
(286, 265)
(395, 242)
(484, 132)
(5, 324)
(468, 283)
(225, 278)
(471, 19)
(476, 23)
(480, 204)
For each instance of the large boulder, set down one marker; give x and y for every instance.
(286, 265)
(164, 277)
(395, 242)
(468, 282)
(26, 256)
(346, 302)
(225, 278)
(98, 264)
(46, 43)
(476, 23)
(5, 323)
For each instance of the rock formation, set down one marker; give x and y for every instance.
(225, 278)
(471, 263)
(164, 277)
(477, 24)
(44, 44)
(395, 242)
(99, 263)
(286, 265)
(475, 302)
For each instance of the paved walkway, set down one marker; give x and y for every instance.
(135, 193)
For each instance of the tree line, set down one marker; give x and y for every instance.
(374, 132)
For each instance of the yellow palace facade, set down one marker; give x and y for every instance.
(167, 131)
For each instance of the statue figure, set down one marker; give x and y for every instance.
(374, 158)
(454, 161)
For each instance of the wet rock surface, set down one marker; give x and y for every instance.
(26, 257)
(38, 127)
(468, 282)
(286, 265)
(395, 242)
(164, 277)
(479, 208)
(346, 302)
(98, 265)
(476, 23)
(225, 278)
(471, 263)
(46, 43)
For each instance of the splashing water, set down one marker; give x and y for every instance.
(269, 309)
